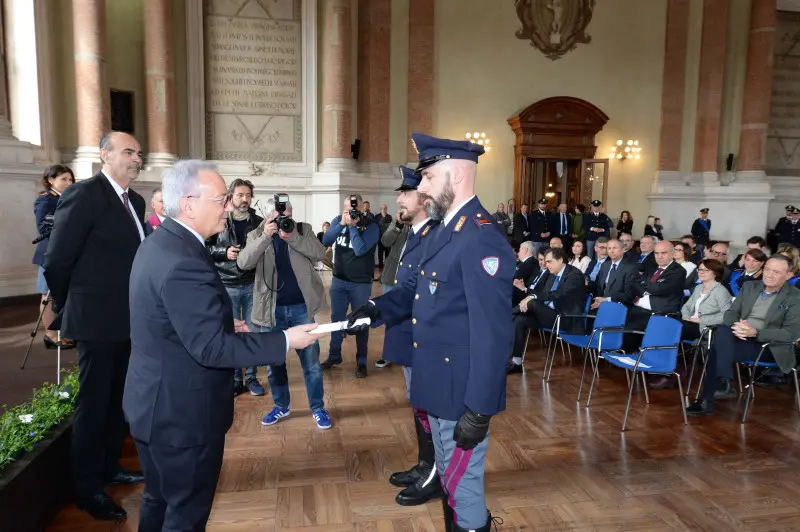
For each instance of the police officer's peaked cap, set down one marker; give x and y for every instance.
(790, 208)
(431, 150)
(795, 210)
(597, 203)
(411, 179)
(543, 201)
(704, 210)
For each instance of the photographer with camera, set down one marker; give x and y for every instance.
(224, 249)
(354, 237)
(55, 180)
(288, 291)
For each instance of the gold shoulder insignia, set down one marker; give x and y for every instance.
(460, 224)
(425, 231)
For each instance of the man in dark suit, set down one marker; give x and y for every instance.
(99, 224)
(645, 259)
(179, 392)
(561, 224)
(658, 290)
(562, 293)
(528, 266)
(766, 310)
(522, 226)
(616, 278)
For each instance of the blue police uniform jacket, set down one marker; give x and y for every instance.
(601, 220)
(461, 323)
(397, 343)
(45, 204)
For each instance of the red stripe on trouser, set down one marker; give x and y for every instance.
(423, 419)
(454, 473)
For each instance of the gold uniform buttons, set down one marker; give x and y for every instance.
(413, 321)
(416, 296)
(423, 273)
(395, 281)
(446, 359)
(434, 274)
(415, 345)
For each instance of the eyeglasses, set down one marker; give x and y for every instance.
(702, 270)
(714, 252)
(222, 201)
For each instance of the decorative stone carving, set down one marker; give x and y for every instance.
(783, 137)
(555, 27)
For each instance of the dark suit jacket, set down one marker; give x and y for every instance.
(520, 226)
(569, 297)
(782, 323)
(555, 224)
(179, 389)
(666, 294)
(89, 257)
(620, 287)
(649, 263)
(527, 270)
(44, 205)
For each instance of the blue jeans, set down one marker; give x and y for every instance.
(344, 293)
(242, 299)
(286, 317)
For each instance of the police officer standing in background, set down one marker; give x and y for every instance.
(788, 228)
(421, 482)
(701, 231)
(595, 225)
(462, 332)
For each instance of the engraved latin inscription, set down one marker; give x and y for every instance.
(254, 80)
(783, 139)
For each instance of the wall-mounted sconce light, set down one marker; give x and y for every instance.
(479, 138)
(626, 150)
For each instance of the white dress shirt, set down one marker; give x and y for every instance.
(454, 211)
(119, 190)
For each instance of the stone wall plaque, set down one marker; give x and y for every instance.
(253, 85)
(783, 137)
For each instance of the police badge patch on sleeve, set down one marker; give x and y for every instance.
(491, 265)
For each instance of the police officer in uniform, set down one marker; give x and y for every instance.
(540, 229)
(595, 225)
(701, 231)
(788, 228)
(461, 325)
(421, 482)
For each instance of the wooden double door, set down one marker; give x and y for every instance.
(570, 181)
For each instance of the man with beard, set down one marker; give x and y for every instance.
(458, 303)
(421, 482)
(224, 249)
(99, 224)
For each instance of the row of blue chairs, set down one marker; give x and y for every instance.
(658, 355)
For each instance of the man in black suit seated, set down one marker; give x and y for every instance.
(659, 290)
(99, 225)
(528, 266)
(600, 257)
(562, 293)
(616, 279)
(628, 253)
(715, 251)
(645, 259)
(522, 289)
(179, 392)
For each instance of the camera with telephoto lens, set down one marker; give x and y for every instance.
(46, 229)
(284, 223)
(354, 213)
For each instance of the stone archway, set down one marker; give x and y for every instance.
(561, 128)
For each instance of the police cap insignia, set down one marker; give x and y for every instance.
(460, 224)
(491, 265)
(597, 203)
(704, 210)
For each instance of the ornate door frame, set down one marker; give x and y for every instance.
(561, 127)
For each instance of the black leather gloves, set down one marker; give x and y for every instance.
(471, 430)
(367, 310)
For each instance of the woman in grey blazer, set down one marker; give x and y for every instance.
(708, 302)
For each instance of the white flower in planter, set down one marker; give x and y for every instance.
(27, 418)
(63, 395)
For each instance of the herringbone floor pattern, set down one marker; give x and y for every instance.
(552, 464)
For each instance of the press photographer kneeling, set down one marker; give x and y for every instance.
(287, 291)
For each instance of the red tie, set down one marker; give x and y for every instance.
(653, 279)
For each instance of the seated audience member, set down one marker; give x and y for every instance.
(629, 253)
(616, 278)
(537, 280)
(692, 253)
(579, 257)
(753, 260)
(716, 251)
(646, 260)
(659, 290)
(528, 266)
(556, 242)
(791, 253)
(767, 310)
(600, 256)
(754, 242)
(562, 293)
(681, 257)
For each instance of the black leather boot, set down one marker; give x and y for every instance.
(425, 457)
(485, 528)
(424, 489)
(449, 516)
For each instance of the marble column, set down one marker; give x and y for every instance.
(92, 94)
(421, 20)
(757, 91)
(673, 91)
(5, 122)
(374, 84)
(337, 134)
(160, 83)
(709, 92)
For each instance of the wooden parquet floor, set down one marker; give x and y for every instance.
(552, 464)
